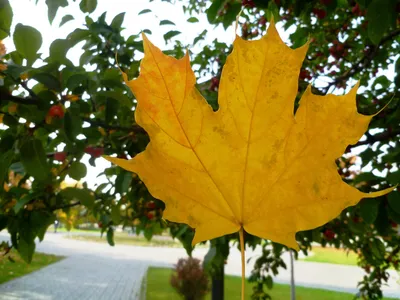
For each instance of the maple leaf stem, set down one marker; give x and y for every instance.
(241, 239)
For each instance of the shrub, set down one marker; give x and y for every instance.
(190, 280)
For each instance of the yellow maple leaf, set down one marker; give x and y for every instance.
(253, 164)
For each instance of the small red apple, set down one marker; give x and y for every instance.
(56, 111)
(60, 156)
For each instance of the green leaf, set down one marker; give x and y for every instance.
(77, 170)
(53, 6)
(117, 96)
(369, 210)
(76, 80)
(58, 50)
(88, 6)
(27, 41)
(231, 14)
(72, 125)
(6, 16)
(22, 201)
(48, 80)
(10, 121)
(123, 182)
(40, 221)
(363, 3)
(3, 221)
(118, 20)
(299, 37)
(66, 19)
(33, 158)
(394, 201)
(115, 214)
(81, 195)
(32, 113)
(5, 162)
(379, 15)
(26, 249)
(394, 178)
(144, 11)
(269, 282)
(148, 233)
(110, 236)
(397, 70)
(366, 177)
(170, 34)
(383, 81)
(192, 20)
(378, 249)
(111, 110)
(393, 215)
(78, 35)
(381, 223)
(213, 10)
(166, 22)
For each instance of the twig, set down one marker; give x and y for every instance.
(380, 137)
(16, 99)
(363, 62)
(66, 205)
(134, 128)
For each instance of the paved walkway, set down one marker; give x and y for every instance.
(98, 271)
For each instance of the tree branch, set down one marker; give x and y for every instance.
(380, 137)
(134, 128)
(363, 62)
(16, 99)
(66, 206)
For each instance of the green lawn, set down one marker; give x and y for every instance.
(63, 229)
(125, 239)
(158, 288)
(332, 256)
(10, 270)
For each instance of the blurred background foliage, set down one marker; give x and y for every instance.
(53, 112)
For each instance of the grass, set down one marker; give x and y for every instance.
(158, 288)
(10, 270)
(63, 229)
(332, 256)
(125, 239)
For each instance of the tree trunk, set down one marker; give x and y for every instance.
(217, 285)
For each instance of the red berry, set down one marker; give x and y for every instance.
(151, 205)
(304, 74)
(94, 151)
(249, 3)
(393, 224)
(60, 156)
(56, 111)
(150, 215)
(215, 81)
(262, 21)
(320, 13)
(329, 234)
(356, 9)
